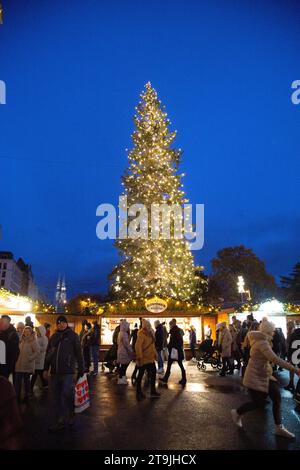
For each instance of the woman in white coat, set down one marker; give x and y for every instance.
(125, 352)
(259, 379)
(42, 342)
(225, 347)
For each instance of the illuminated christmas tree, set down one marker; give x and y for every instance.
(162, 267)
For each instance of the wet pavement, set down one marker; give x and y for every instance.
(194, 417)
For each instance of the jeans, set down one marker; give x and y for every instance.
(259, 400)
(168, 371)
(62, 397)
(95, 357)
(20, 376)
(160, 359)
(151, 369)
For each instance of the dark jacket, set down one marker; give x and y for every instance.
(193, 338)
(133, 335)
(159, 338)
(95, 336)
(176, 341)
(64, 352)
(11, 339)
(293, 356)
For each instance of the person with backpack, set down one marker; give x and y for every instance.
(63, 359)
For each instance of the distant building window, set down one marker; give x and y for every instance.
(4, 274)
(0, 265)
(4, 265)
(2, 282)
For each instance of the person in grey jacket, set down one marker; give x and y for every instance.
(259, 379)
(62, 357)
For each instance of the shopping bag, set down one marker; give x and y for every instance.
(174, 354)
(82, 395)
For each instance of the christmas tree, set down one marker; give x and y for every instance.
(162, 267)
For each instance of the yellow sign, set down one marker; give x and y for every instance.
(156, 305)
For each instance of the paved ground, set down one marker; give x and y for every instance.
(196, 417)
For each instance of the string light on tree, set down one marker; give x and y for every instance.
(162, 267)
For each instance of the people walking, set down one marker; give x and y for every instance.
(125, 353)
(10, 338)
(25, 365)
(146, 355)
(225, 347)
(159, 345)
(193, 342)
(62, 356)
(94, 346)
(176, 354)
(42, 343)
(259, 379)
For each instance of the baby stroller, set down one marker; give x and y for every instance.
(208, 354)
(110, 359)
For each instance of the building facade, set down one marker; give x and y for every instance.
(16, 276)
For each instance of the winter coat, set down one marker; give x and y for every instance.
(64, 352)
(145, 348)
(225, 341)
(159, 338)
(259, 370)
(193, 338)
(10, 338)
(28, 353)
(125, 353)
(42, 342)
(294, 345)
(176, 341)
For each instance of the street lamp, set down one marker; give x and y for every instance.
(241, 286)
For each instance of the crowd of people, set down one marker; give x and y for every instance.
(32, 354)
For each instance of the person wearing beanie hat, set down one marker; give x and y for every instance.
(63, 359)
(259, 379)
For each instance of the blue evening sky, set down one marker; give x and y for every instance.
(74, 70)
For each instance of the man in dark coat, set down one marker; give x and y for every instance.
(95, 345)
(10, 338)
(159, 345)
(62, 356)
(175, 348)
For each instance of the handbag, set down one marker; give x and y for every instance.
(174, 354)
(82, 395)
